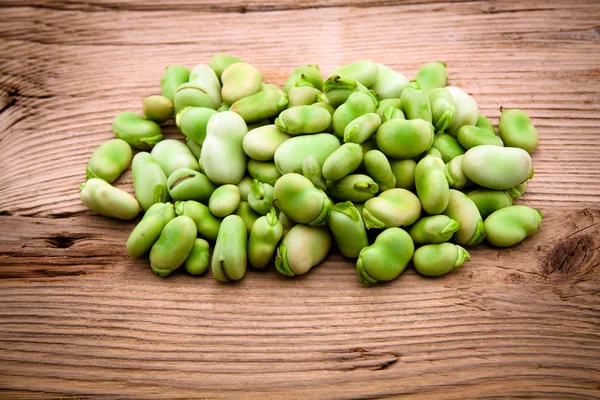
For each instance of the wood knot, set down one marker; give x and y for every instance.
(572, 258)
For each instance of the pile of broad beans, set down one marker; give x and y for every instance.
(390, 170)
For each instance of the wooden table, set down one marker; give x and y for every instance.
(81, 319)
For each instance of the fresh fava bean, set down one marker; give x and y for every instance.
(338, 89)
(470, 136)
(415, 103)
(219, 62)
(173, 77)
(261, 143)
(264, 238)
(198, 260)
(264, 171)
(356, 188)
(157, 108)
(357, 104)
(188, 184)
(206, 223)
(496, 167)
(432, 152)
(467, 110)
(140, 133)
(172, 155)
(240, 80)
(102, 198)
(399, 138)
(443, 110)
(229, 258)
(404, 171)
(348, 229)
(378, 167)
(392, 113)
(149, 181)
(224, 200)
(109, 160)
(364, 71)
(301, 249)
(290, 154)
(192, 122)
(303, 93)
(432, 187)
(447, 146)
(191, 95)
(455, 175)
(516, 130)
(485, 124)
(343, 161)
(148, 230)
(267, 103)
(246, 213)
(386, 258)
(488, 200)
(194, 147)
(312, 170)
(223, 157)
(204, 77)
(173, 246)
(325, 105)
(439, 259)
(286, 222)
(297, 197)
(431, 76)
(518, 190)
(433, 229)
(224, 107)
(464, 211)
(301, 120)
(395, 102)
(511, 225)
(309, 72)
(245, 185)
(260, 197)
(392, 208)
(362, 128)
(389, 83)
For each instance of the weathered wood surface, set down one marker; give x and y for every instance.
(80, 319)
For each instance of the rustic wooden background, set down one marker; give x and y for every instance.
(81, 319)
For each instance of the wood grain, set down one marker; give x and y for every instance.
(81, 319)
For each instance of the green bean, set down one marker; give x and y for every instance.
(173, 77)
(207, 224)
(439, 259)
(198, 260)
(433, 229)
(392, 208)
(173, 246)
(264, 238)
(386, 258)
(109, 160)
(188, 184)
(516, 130)
(157, 108)
(348, 229)
(302, 248)
(511, 225)
(297, 197)
(229, 258)
(140, 133)
(102, 198)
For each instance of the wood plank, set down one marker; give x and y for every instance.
(81, 319)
